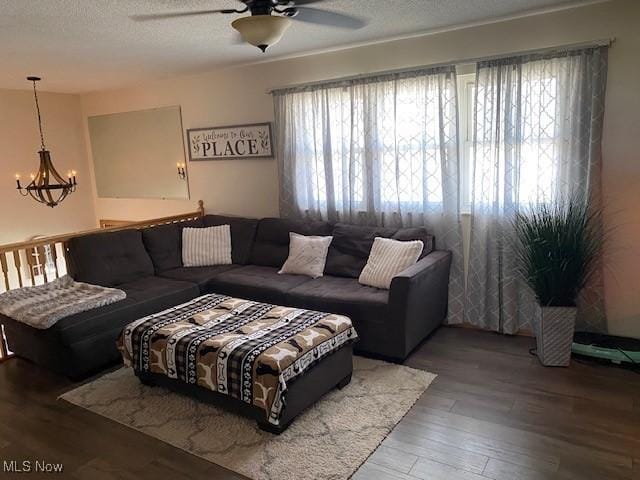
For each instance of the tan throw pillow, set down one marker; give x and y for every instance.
(203, 247)
(307, 255)
(387, 259)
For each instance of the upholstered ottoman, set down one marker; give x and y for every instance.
(265, 361)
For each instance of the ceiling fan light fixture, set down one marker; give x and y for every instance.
(261, 31)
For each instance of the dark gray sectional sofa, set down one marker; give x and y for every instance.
(147, 265)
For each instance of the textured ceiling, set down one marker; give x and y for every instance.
(85, 45)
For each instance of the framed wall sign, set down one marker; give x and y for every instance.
(231, 142)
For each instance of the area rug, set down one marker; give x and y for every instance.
(328, 441)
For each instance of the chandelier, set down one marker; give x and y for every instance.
(47, 186)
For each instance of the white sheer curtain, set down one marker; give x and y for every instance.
(537, 131)
(378, 150)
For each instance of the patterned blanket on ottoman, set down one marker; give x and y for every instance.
(247, 350)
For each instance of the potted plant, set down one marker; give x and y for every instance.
(557, 248)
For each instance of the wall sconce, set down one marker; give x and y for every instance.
(182, 171)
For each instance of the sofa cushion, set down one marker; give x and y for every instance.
(145, 296)
(341, 295)
(198, 275)
(164, 244)
(254, 282)
(350, 248)
(109, 259)
(243, 233)
(271, 247)
(417, 233)
(352, 244)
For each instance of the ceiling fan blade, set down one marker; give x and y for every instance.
(164, 16)
(329, 18)
(299, 3)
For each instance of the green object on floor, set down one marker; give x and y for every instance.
(607, 347)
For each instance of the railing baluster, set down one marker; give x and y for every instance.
(3, 346)
(41, 264)
(18, 264)
(5, 270)
(63, 264)
(65, 251)
(53, 248)
(30, 263)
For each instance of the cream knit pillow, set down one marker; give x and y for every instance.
(203, 247)
(307, 255)
(387, 259)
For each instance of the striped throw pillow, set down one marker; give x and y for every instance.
(202, 247)
(387, 259)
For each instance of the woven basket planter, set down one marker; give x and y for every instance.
(555, 335)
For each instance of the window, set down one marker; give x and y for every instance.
(395, 154)
(374, 146)
(522, 132)
(466, 98)
(411, 144)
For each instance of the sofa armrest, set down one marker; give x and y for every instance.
(418, 298)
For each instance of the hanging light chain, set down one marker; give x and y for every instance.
(35, 94)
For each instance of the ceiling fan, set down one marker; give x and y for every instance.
(269, 19)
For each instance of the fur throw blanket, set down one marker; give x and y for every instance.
(43, 305)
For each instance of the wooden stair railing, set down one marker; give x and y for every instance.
(44, 259)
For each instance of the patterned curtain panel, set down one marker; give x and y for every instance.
(537, 130)
(377, 151)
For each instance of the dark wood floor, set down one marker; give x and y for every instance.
(493, 412)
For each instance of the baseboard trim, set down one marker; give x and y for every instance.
(520, 333)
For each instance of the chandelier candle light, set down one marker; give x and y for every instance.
(47, 186)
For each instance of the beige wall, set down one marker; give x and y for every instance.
(250, 187)
(22, 218)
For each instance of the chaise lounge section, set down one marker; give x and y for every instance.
(83, 343)
(147, 265)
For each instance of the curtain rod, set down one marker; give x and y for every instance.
(566, 47)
